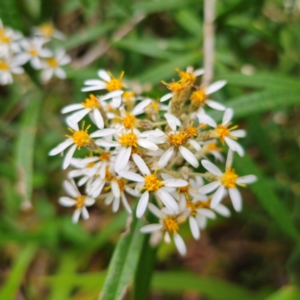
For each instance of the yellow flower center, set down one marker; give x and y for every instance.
(229, 178)
(152, 184)
(108, 175)
(191, 131)
(115, 84)
(155, 105)
(90, 165)
(183, 189)
(80, 137)
(213, 147)
(121, 184)
(4, 65)
(128, 140)
(198, 97)
(80, 202)
(224, 131)
(128, 121)
(105, 156)
(190, 205)
(178, 139)
(171, 224)
(176, 87)
(5, 39)
(91, 102)
(52, 62)
(128, 95)
(47, 29)
(188, 78)
(33, 52)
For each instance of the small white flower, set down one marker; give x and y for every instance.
(52, 65)
(168, 224)
(226, 134)
(151, 184)
(225, 181)
(110, 83)
(34, 52)
(9, 66)
(9, 40)
(48, 31)
(77, 200)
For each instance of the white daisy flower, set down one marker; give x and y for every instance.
(9, 40)
(225, 133)
(225, 181)
(79, 138)
(151, 184)
(169, 224)
(154, 108)
(9, 66)
(52, 65)
(110, 83)
(34, 52)
(77, 200)
(199, 97)
(90, 106)
(190, 76)
(211, 147)
(47, 30)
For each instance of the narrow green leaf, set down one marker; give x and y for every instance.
(88, 35)
(9, 14)
(266, 196)
(286, 293)
(212, 288)
(167, 70)
(25, 147)
(124, 262)
(190, 21)
(11, 285)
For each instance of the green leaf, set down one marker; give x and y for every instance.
(25, 147)
(267, 197)
(167, 70)
(286, 293)
(124, 262)
(190, 22)
(212, 288)
(12, 283)
(10, 15)
(88, 35)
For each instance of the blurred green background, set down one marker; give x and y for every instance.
(252, 255)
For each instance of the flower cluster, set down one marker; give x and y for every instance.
(16, 50)
(153, 152)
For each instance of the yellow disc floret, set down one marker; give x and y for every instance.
(128, 140)
(128, 95)
(183, 189)
(171, 224)
(121, 185)
(108, 175)
(91, 102)
(229, 178)
(176, 87)
(4, 65)
(80, 202)
(105, 156)
(128, 121)
(152, 184)
(178, 139)
(224, 131)
(192, 207)
(33, 52)
(80, 137)
(191, 131)
(47, 29)
(52, 62)
(114, 84)
(198, 97)
(188, 78)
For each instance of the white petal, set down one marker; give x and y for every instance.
(78, 116)
(115, 189)
(71, 107)
(156, 211)
(139, 108)
(95, 82)
(100, 86)
(246, 179)
(112, 95)
(109, 199)
(116, 204)
(142, 205)
(235, 146)
(207, 213)
(198, 72)
(116, 101)
(60, 73)
(103, 132)
(71, 189)
(222, 210)
(167, 200)
(131, 176)
(194, 228)
(229, 159)
(175, 182)
(98, 118)
(164, 159)
(141, 164)
(84, 213)
(172, 121)
(240, 133)
(125, 203)
(122, 159)
(236, 199)
(72, 124)
(61, 147)
(66, 201)
(105, 143)
(215, 86)
(206, 189)
(215, 105)
(166, 97)
(151, 228)
(88, 201)
(211, 167)
(76, 215)
(228, 114)
(195, 145)
(147, 144)
(189, 156)
(68, 157)
(104, 75)
(180, 245)
(217, 197)
(205, 119)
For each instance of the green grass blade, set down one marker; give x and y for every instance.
(190, 21)
(25, 147)
(123, 263)
(286, 293)
(11, 285)
(266, 196)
